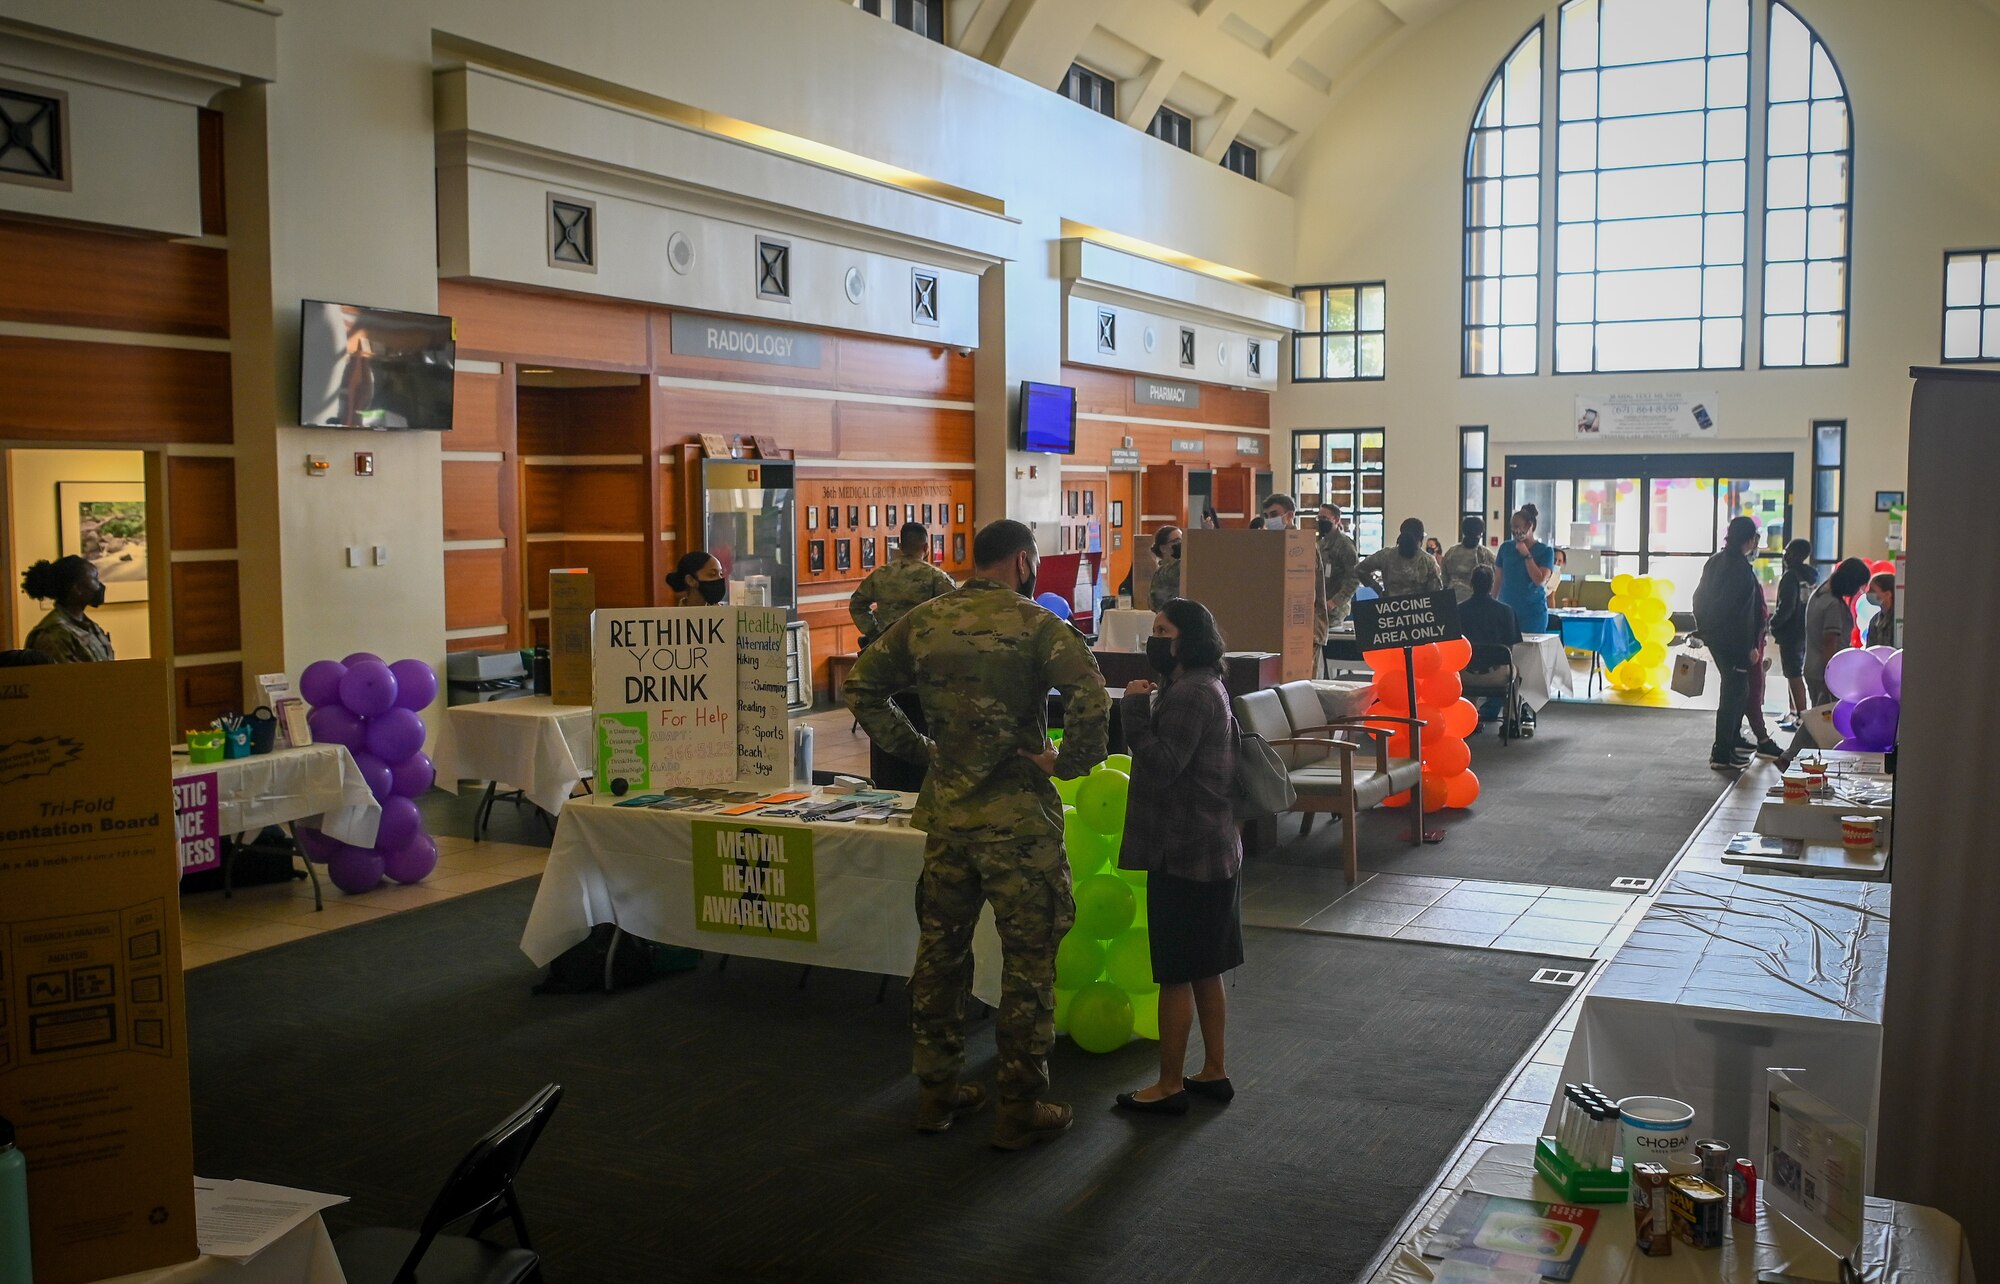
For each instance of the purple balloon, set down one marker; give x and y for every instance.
(416, 684)
(316, 845)
(400, 819)
(413, 775)
(359, 656)
(355, 870)
(414, 860)
(1880, 652)
(1875, 722)
(1850, 675)
(1843, 719)
(376, 773)
(368, 688)
(1892, 676)
(1854, 746)
(332, 724)
(320, 683)
(395, 735)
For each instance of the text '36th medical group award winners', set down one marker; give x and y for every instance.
(689, 696)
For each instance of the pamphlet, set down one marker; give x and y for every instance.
(1511, 1237)
(1754, 844)
(240, 1219)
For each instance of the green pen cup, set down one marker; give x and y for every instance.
(205, 746)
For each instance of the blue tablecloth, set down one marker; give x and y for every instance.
(1605, 632)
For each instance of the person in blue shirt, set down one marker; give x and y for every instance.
(1526, 566)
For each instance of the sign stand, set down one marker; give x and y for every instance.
(1404, 622)
(1416, 830)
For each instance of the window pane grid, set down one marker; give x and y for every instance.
(1829, 465)
(1807, 180)
(1347, 334)
(1972, 305)
(1503, 168)
(1344, 467)
(1472, 442)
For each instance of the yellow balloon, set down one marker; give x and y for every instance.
(1656, 677)
(1651, 656)
(1664, 589)
(1649, 608)
(1621, 585)
(1619, 604)
(1657, 631)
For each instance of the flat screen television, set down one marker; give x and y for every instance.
(374, 368)
(1048, 418)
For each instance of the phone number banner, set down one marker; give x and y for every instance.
(1635, 416)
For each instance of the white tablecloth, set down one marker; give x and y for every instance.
(293, 784)
(1901, 1244)
(1124, 630)
(631, 866)
(1543, 667)
(540, 747)
(1731, 974)
(302, 1255)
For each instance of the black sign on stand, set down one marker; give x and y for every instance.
(1401, 622)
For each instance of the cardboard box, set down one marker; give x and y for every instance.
(1259, 587)
(93, 1025)
(572, 597)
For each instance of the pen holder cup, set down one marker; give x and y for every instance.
(204, 746)
(263, 732)
(236, 741)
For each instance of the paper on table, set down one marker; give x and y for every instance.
(240, 1219)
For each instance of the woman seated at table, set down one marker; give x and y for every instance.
(66, 634)
(1830, 623)
(698, 579)
(1181, 829)
(1487, 622)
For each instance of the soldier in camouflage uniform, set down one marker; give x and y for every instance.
(982, 660)
(1166, 585)
(890, 591)
(1280, 514)
(1339, 560)
(1403, 567)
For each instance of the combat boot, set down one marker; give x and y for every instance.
(1018, 1125)
(938, 1106)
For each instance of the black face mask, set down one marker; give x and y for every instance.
(97, 598)
(1160, 654)
(1325, 526)
(1026, 588)
(1174, 551)
(712, 591)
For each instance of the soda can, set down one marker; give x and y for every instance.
(1715, 1162)
(1744, 1206)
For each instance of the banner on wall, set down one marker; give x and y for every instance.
(1634, 416)
(755, 880)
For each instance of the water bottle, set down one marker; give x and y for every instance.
(802, 755)
(15, 1264)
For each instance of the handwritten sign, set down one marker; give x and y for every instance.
(1406, 619)
(664, 696)
(196, 822)
(763, 727)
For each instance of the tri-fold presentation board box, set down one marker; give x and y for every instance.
(572, 597)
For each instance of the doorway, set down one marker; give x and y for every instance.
(1660, 515)
(91, 503)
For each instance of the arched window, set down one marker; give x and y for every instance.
(1503, 204)
(1808, 181)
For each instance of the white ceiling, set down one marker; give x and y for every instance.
(1265, 71)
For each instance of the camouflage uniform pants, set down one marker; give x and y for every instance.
(1027, 880)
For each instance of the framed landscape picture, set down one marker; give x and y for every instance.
(105, 524)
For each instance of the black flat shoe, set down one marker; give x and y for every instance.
(1174, 1105)
(1213, 1089)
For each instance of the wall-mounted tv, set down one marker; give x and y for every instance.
(374, 368)
(1048, 418)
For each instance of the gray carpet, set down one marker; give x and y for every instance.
(1600, 792)
(731, 1126)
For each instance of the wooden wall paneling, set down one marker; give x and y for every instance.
(607, 421)
(205, 608)
(1099, 391)
(161, 583)
(865, 431)
(539, 558)
(214, 211)
(541, 499)
(605, 501)
(203, 692)
(1222, 451)
(544, 327)
(619, 568)
(667, 362)
(902, 369)
(71, 276)
(801, 424)
(9, 638)
(472, 499)
(56, 391)
(201, 502)
(1231, 493)
(472, 588)
(476, 411)
(1121, 493)
(1163, 494)
(539, 415)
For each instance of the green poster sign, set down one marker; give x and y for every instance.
(754, 880)
(623, 752)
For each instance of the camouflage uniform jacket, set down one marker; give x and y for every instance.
(1338, 561)
(1459, 564)
(1401, 574)
(981, 660)
(1166, 583)
(70, 641)
(891, 590)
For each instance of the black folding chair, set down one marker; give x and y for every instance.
(1491, 672)
(480, 1188)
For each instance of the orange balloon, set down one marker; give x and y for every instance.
(1427, 659)
(1441, 688)
(1390, 680)
(1456, 654)
(1383, 660)
(1461, 719)
(1446, 754)
(1462, 790)
(1399, 745)
(1437, 792)
(1432, 716)
(1397, 800)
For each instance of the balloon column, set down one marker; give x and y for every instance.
(371, 708)
(1105, 992)
(1869, 684)
(1646, 603)
(1448, 718)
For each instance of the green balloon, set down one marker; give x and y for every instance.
(1079, 961)
(1136, 877)
(1100, 1017)
(1129, 962)
(1088, 850)
(1105, 906)
(1146, 1015)
(1067, 789)
(1063, 998)
(1101, 801)
(1117, 762)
